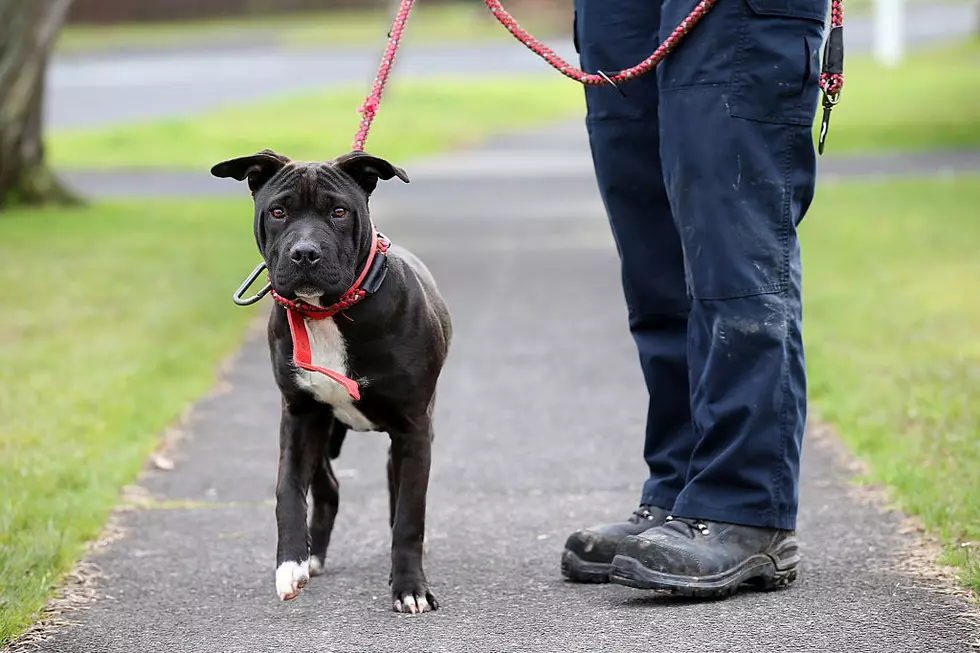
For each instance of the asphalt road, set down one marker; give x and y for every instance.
(94, 90)
(539, 428)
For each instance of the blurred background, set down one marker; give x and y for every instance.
(118, 251)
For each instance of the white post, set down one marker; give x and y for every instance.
(889, 31)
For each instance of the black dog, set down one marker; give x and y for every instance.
(347, 306)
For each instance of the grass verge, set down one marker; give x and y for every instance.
(427, 25)
(930, 101)
(114, 317)
(417, 118)
(891, 326)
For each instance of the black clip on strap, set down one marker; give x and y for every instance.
(833, 64)
(376, 275)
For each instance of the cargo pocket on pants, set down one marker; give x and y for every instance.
(777, 62)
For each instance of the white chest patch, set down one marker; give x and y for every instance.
(328, 349)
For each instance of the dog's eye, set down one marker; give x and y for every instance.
(339, 212)
(277, 213)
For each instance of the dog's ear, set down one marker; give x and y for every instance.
(258, 168)
(366, 170)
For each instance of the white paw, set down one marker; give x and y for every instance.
(291, 577)
(316, 566)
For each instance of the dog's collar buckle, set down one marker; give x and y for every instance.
(379, 268)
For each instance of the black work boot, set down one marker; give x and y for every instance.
(705, 559)
(589, 552)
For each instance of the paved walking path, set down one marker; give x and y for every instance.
(539, 431)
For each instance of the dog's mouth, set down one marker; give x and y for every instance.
(320, 286)
(309, 294)
(325, 285)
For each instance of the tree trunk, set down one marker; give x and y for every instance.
(28, 30)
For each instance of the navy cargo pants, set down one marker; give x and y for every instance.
(706, 169)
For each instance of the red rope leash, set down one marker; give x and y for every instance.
(373, 101)
(568, 70)
(831, 81)
(831, 78)
(832, 74)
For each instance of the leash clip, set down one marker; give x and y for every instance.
(237, 297)
(829, 102)
(611, 82)
(832, 72)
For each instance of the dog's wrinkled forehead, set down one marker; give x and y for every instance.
(312, 185)
(356, 172)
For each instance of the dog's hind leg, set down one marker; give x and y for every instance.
(326, 500)
(392, 490)
(337, 434)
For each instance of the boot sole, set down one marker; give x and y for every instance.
(767, 571)
(582, 571)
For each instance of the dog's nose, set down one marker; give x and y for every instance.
(305, 254)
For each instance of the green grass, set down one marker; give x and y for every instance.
(113, 319)
(931, 100)
(866, 7)
(416, 118)
(458, 24)
(891, 324)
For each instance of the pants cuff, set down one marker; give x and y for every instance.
(658, 499)
(714, 513)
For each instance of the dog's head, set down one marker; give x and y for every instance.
(312, 223)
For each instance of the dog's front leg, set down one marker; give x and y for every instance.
(300, 449)
(411, 456)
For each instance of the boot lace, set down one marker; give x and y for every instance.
(641, 513)
(695, 525)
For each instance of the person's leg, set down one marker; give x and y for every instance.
(625, 140)
(738, 100)
(624, 134)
